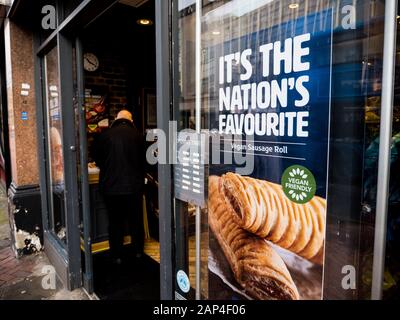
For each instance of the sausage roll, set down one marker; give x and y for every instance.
(262, 208)
(255, 264)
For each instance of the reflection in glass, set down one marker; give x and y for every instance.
(391, 284)
(55, 146)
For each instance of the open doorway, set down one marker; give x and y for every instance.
(120, 74)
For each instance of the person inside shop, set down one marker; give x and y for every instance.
(118, 152)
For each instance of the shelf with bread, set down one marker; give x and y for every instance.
(97, 117)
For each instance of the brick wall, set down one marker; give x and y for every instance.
(22, 129)
(111, 75)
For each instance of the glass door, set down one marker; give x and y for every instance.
(290, 93)
(61, 223)
(64, 176)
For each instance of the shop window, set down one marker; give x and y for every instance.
(249, 69)
(56, 182)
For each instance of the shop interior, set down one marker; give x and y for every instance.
(120, 74)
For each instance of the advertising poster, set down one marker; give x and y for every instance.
(267, 226)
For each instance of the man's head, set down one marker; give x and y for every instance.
(125, 114)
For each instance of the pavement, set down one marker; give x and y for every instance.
(30, 277)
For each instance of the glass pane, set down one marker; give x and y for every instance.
(55, 146)
(257, 57)
(391, 285)
(185, 116)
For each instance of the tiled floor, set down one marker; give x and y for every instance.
(21, 279)
(152, 249)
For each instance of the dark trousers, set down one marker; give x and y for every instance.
(122, 209)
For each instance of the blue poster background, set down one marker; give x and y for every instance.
(310, 152)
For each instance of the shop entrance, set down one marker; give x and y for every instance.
(119, 73)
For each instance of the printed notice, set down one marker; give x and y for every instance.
(189, 170)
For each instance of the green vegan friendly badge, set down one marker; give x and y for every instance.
(298, 184)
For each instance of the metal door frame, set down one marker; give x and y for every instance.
(85, 193)
(164, 115)
(382, 203)
(69, 262)
(65, 259)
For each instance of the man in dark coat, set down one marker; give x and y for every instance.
(119, 153)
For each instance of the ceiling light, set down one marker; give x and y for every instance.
(293, 6)
(216, 33)
(145, 22)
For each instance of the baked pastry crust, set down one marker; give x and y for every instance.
(262, 208)
(255, 264)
